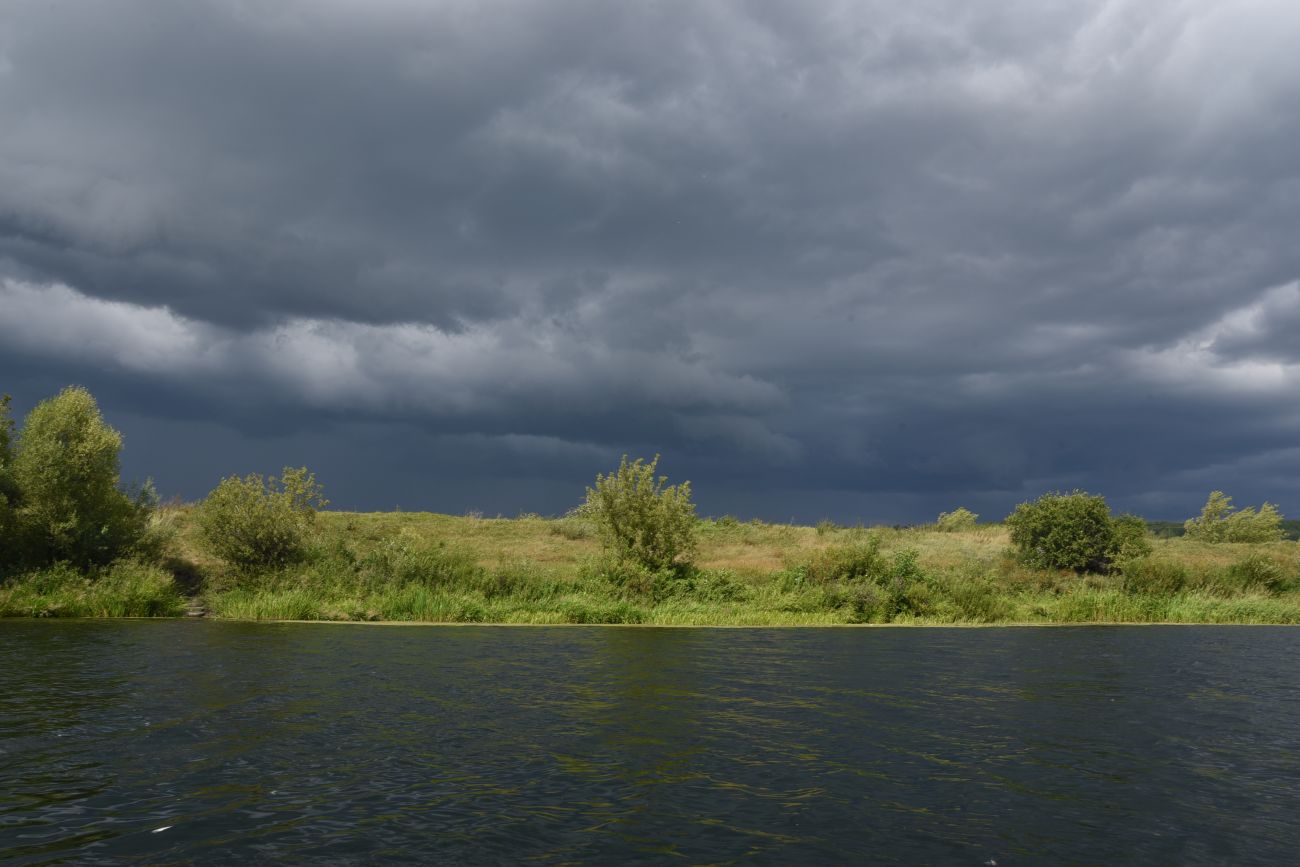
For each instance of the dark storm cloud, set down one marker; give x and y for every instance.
(838, 258)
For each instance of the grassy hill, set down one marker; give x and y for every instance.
(440, 568)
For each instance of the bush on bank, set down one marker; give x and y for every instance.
(259, 524)
(1075, 531)
(865, 584)
(642, 519)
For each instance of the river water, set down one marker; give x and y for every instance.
(202, 742)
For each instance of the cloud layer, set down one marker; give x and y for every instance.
(846, 259)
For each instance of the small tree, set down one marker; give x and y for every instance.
(1074, 531)
(65, 470)
(957, 520)
(1219, 523)
(254, 523)
(1209, 527)
(642, 519)
(1247, 525)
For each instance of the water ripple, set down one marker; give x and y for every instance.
(183, 742)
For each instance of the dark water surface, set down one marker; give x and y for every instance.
(346, 744)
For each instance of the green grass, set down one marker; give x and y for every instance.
(125, 589)
(440, 568)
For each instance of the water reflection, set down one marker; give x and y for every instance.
(487, 745)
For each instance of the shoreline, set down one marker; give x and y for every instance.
(1020, 624)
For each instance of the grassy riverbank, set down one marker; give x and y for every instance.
(424, 567)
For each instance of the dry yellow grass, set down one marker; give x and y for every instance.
(746, 548)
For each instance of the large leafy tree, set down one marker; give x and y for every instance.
(66, 470)
(1075, 531)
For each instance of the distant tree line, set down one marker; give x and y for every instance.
(1290, 528)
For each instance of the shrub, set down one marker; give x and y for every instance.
(65, 471)
(1073, 531)
(703, 585)
(717, 585)
(976, 601)
(908, 589)
(957, 520)
(865, 603)
(859, 561)
(1154, 577)
(1131, 542)
(1219, 523)
(254, 523)
(900, 589)
(858, 579)
(640, 519)
(631, 577)
(1256, 572)
(906, 566)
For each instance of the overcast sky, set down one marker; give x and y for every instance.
(858, 260)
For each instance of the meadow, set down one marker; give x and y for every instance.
(421, 567)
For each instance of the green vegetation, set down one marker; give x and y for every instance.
(74, 544)
(1075, 531)
(957, 520)
(61, 486)
(426, 567)
(258, 524)
(1130, 540)
(1219, 523)
(127, 588)
(1174, 529)
(643, 521)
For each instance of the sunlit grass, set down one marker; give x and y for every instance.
(126, 589)
(419, 567)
